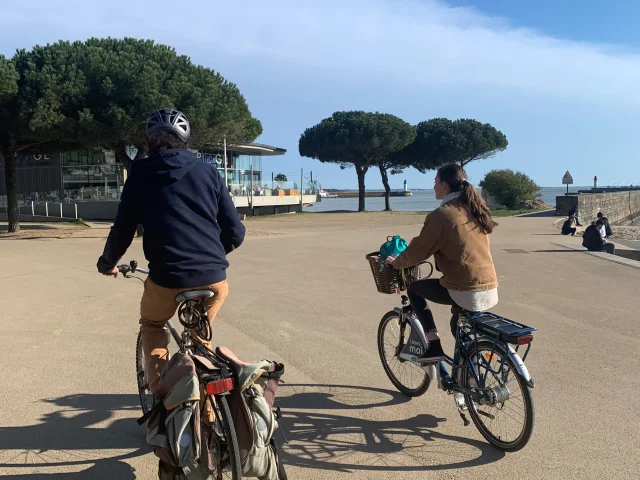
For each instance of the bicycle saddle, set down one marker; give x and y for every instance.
(194, 295)
(247, 373)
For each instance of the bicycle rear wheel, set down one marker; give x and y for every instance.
(507, 425)
(222, 442)
(406, 376)
(146, 397)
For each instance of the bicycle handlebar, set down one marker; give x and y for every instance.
(132, 267)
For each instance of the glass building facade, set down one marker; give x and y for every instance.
(239, 169)
(85, 174)
(93, 174)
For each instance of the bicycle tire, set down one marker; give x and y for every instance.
(221, 408)
(146, 397)
(525, 435)
(409, 392)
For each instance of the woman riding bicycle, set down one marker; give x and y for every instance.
(457, 235)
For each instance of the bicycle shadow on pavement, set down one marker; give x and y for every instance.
(321, 439)
(87, 430)
(103, 470)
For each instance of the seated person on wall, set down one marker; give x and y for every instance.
(593, 239)
(569, 226)
(607, 227)
(574, 212)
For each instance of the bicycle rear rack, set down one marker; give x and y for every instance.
(506, 330)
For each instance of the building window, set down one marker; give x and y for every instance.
(245, 162)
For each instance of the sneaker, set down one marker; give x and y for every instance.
(434, 352)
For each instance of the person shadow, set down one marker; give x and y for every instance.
(86, 430)
(317, 437)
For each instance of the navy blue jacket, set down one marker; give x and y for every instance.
(189, 219)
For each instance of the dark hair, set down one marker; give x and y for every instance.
(161, 141)
(600, 215)
(599, 223)
(455, 176)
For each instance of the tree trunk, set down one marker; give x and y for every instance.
(361, 171)
(387, 188)
(11, 181)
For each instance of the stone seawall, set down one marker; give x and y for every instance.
(618, 207)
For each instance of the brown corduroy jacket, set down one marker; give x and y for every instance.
(460, 247)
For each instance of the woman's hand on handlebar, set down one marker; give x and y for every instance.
(389, 260)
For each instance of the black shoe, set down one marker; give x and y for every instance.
(434, 353)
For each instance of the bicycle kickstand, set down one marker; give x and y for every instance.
(462, 408)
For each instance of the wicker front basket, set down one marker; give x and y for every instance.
(389, 280)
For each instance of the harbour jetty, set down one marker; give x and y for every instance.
(620, 206)
(610, 189)
(352, 194)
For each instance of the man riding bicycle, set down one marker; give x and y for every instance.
(190, 225)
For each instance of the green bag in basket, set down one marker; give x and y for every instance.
(393, 247)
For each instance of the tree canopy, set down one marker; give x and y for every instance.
(100, 92)
(510, 188)
(440, 141)
(359, 139)
(8, 79)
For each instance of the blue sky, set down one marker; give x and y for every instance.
(560, 79)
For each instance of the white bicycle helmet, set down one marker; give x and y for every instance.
(169, 120)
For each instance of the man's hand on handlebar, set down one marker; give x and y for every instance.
(113, 273)
(126, 270)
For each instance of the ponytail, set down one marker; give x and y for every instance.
(455, 176)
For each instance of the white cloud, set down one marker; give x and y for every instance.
(416, 42)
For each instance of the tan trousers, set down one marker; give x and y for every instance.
(158, 305)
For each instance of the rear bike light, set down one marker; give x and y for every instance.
(524, 340)
(219, 386)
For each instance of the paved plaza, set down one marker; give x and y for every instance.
(302, 293)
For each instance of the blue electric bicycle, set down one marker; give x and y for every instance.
(486, 375)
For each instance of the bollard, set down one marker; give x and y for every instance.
(46, 208)
(76, 207)
(60, 209)
(32, 210)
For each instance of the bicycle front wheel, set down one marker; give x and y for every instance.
(222, 441)
(146, 397)
(507, 421)
(406, 376)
